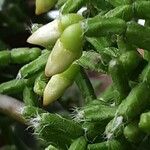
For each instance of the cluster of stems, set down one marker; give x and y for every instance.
(106, 38)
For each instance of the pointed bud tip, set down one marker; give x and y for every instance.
(47, 99)
(52, 71)
(45, 102)
(48, 96)
(31, 39)
(34, 40)
(37, 12)
(48, 73)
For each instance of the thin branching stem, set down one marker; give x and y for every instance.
(11, 107)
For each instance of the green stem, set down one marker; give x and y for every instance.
(85, 86)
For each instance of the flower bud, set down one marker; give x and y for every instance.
(43, 6)
(59, 83)
(48, 34)
(66, 50)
